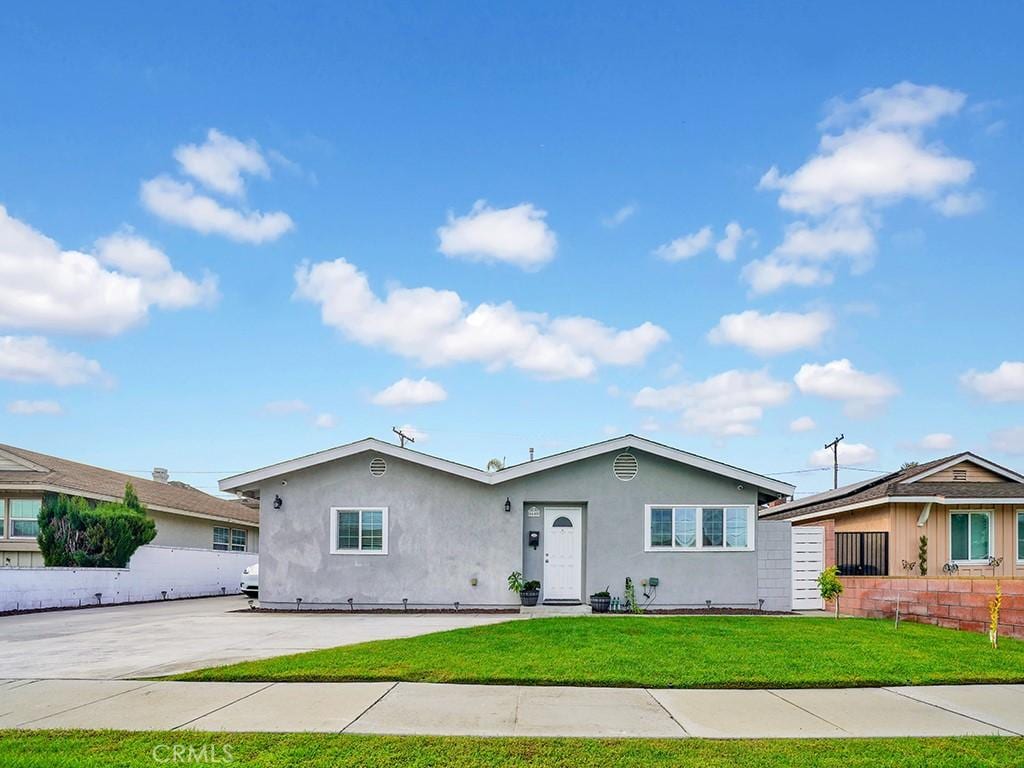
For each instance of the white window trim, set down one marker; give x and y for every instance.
(751, 524)
(359, 552)
(9, 527)
(227, 543)
(1016, 535)
(991, 534)
(231, 540)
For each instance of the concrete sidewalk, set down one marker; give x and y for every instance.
(497, 710)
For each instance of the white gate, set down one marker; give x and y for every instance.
(808, 563)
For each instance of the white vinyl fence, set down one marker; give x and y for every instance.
(154, 573)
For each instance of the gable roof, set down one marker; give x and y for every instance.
(21, 469)
(908, 484)
(248, 480)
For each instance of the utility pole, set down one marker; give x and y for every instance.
(834, 445)
(402, 437)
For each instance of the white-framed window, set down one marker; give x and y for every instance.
(24, 517)
(359, 530)
(238, 540)
(221, 538)
(694, 528)
(1020, 535)
(3, 518)
(970, 536)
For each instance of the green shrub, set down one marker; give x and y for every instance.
(830, 585)
(74, 532)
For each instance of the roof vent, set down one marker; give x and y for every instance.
(625, 466)
(378, 466)
(960, 475)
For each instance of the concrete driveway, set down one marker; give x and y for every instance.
(176, 636)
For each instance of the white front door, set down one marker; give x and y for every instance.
(563, 553)
(808, 563)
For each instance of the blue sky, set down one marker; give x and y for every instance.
(229, 234)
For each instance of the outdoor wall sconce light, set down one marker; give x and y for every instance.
(508, 504)
(278, 503)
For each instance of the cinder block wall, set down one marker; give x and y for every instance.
(775, 564)
(957, 603)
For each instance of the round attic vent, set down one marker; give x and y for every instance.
(378, 466)
(625, 466)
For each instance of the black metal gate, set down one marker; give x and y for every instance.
(863, 554)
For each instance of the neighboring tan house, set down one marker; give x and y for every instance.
(372, 525)
(185, 517)
(970, 509)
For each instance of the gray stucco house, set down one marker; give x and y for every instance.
(377, 524)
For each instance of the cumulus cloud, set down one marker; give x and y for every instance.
(34, 408)
(685, 247)
(850, 454)
(872, 153)
(43, 287)
(324, 421)
(936, 441)
(725, 405)
(417, 435)
(1009, 440)
(1004, 384)
(518, 235)
(436, 327)
(620, 216)
(179, 203)
(411, 392)
(727, 247)
(862, 393)
(802, 424)
(219, 162)
(772, 334)
(960, 204)
(31, 359)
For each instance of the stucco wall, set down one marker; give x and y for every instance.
(195, 532)
(445, 531)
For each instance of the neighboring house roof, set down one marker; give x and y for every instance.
(248, 480)
(906, 485)
(39, 471)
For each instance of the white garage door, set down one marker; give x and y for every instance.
(808, 563)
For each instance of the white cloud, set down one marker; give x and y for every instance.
(45, 288)
(436, 327)
(285, 407)
(727, 247)
(31, 359)
(416, 434)
(850, 454)
(724, 405)
(220, 161)
(802, 424)
(179, 203)
(904, 105)
(862, 393)
(685, 247)
(324, 421)
(517, 235)
(34, 407)
(1009, 440)
(936, 441)
(620, 216)
(411, 392)
(805, 255)
(1005, 384)
(960, 204)
(771, 334)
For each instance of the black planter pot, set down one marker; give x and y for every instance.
(529, 597)
(600, 603)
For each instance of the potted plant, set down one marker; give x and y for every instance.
(528, 591)
(600, 601)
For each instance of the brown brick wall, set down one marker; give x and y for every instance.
(957, 603)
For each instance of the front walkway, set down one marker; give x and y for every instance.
(482, 710)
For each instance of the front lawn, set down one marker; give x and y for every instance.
(664, 652)
(107, 749)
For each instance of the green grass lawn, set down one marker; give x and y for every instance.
(116, 749)
(664, 652)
